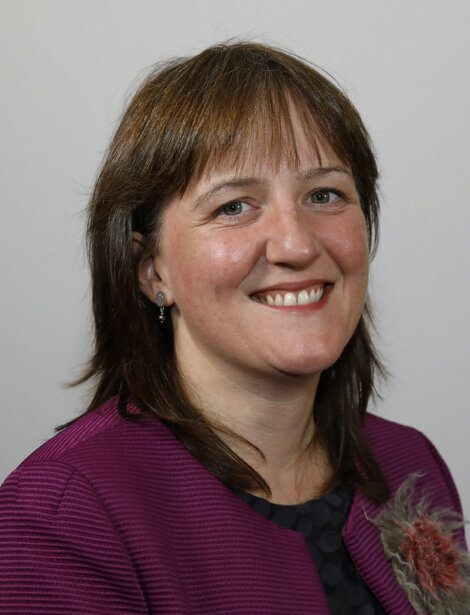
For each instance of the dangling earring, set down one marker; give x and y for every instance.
(161, 300)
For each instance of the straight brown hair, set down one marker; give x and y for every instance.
(226, 103)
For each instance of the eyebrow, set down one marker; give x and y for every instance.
(240, 182)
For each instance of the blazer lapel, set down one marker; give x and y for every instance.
(363, 542)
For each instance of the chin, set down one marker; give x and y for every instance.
(307, 365)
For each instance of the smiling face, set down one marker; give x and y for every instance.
(266, 271)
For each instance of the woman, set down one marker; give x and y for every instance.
(226, 463)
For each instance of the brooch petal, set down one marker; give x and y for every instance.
(429, 565)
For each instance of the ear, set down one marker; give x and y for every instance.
(151, 280)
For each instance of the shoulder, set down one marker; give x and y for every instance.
(392, 440)
(99, 448)
(100, 434)
(402, 450)
(103, 424)
(396, 444)
(58, 531)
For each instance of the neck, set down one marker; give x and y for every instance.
(274, 413)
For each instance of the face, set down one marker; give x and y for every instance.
(266, 271)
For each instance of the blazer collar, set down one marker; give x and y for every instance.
(363, 542)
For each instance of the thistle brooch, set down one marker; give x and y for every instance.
(431, 568)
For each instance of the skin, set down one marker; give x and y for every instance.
(250, 366)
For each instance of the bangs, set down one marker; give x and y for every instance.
(235, 108)
(256, 131)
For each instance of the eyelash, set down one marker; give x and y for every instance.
(235, 202)
(338, 194)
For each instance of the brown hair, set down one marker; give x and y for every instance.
(188, 115)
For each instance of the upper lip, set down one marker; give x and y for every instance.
(294, 286)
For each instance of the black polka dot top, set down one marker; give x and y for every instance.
(321, 521)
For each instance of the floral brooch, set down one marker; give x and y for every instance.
(429, 565)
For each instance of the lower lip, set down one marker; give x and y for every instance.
(308, 307)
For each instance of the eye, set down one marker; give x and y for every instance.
(324, 196)
(234, 208)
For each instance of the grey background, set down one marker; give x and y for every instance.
(68, 68)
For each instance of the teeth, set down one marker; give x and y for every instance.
(290, 299)
(316, 295)
(303, 297)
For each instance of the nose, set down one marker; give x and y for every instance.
(291, 240)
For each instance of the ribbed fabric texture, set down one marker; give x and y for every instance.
(116, 516)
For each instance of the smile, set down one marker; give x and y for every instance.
(282, 298)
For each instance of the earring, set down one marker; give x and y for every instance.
(160, 301)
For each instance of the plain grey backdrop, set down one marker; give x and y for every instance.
(68, 68)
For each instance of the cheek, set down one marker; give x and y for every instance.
(347, 244)
(208, 263)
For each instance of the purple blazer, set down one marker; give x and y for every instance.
(116, 517)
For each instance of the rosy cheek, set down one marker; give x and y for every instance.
(231, 258)
(347, 242)
(209, 262)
